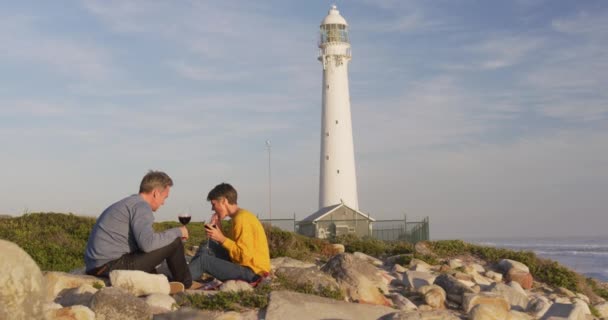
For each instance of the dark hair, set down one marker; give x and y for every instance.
(154, 179)
(223, 190)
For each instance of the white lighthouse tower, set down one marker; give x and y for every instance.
(338, 179)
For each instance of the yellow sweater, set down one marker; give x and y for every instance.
(247, 243)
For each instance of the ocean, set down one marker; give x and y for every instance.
(585, 255)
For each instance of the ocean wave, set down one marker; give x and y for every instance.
(572, 253)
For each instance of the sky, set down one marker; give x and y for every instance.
(488, 117)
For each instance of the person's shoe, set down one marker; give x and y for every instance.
(195, 285)
(176, 287)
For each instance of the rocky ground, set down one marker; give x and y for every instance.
(457, 288)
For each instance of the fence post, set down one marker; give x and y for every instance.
(294, 222)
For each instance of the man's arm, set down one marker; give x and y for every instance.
(141, 222)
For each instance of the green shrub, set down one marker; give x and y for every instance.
(288, 244)
(370, 246)
(308, 288)
(231, 301)
(449, 248)
(55, 241)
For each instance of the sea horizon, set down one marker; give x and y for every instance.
(587, 255)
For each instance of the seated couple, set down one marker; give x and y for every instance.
(123, 239)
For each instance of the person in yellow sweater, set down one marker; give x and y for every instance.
(243, 254)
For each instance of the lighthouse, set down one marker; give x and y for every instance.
(338, 179)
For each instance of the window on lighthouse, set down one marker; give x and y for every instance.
(334, 33)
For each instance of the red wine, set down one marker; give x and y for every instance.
(184, 219)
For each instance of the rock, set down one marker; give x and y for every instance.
(506, 264)
(419, 265)
(602, 308)
(118, 304)
(517, 315)
(478, 268)
(462, 276)
(497, 277)
(420, 315)
(289, 263)
(21, 284)
(139, 283)
(523, 278)
(360, 280)
(453, 288)
(471, 300)
(56, 282)
(518, 299)
(235, 286)
(71, 313)
(424, 248)
(564, 311)
(401, 302)
(376, 262)
(583, 297)
(481, 280)
(162, 301)
(583, 306)
(455, 263)
(538, 306)
(417, 279)
(298, 306)
(77, 296)
(434, 296)
(488, 312)
(565, 292)
(308, 276)
(398, 268)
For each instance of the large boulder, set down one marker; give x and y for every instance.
(602, 308)
(421, 315)
(360, 280)
(21, 284)
(525, 279)
(564, 311)
(402, 303)
(118, 304)
(164, 302)
(375, 261)
(518, 298)
(434, 296)
(507, 264)
(71, 313)
(139, 283)
(312, 276)
(538, 305)
(235, 286)
(77, 296)
(488, 312)
(57, 282)
(289, 263)
(298, 306)
(453, 288)
(472, 299)
(416, 279)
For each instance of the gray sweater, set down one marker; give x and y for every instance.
(125, 227)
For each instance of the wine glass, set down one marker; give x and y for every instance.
(184, 217)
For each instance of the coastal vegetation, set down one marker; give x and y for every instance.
(57, 241)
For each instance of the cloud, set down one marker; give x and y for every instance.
(505, 51)
(24, 39)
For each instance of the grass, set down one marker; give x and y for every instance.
(231, 301)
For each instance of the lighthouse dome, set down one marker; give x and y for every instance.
(334, 17)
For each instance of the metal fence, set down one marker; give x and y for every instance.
(387, 230)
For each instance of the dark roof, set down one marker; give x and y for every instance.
(327, 210)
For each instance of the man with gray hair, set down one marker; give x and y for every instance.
(123, 237)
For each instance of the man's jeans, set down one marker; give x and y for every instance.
(215, 261)
(147, 261)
